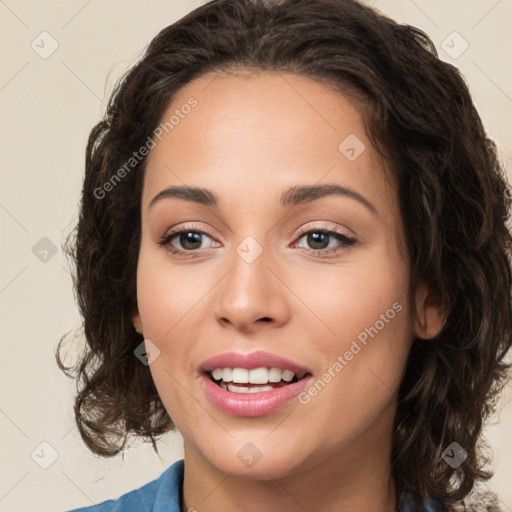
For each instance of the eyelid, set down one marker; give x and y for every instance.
(344, 239)
(334, 230)
(186, 228)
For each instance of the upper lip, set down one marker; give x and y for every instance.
(252, 360)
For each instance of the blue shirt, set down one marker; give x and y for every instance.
(163, 495)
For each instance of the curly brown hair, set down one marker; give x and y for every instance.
(453, 196)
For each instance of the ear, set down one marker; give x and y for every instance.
(137, 322)
(431, 315)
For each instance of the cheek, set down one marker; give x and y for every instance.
(369, 291)
(172, 302)
(166, 300)
(166, 294)
(366, 309)
(372, 300)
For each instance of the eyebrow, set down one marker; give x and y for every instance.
(293, 196)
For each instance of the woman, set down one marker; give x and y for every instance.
(292, 247)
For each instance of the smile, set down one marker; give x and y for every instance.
(257, 380)
(252, 384)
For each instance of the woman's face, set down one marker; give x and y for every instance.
(254, 271)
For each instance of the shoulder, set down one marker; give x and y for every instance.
(480, 499)
(162, 492)
(472, 506)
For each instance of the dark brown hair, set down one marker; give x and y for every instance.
(419, 115)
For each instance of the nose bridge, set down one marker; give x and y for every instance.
(248, 280)
(251, 292)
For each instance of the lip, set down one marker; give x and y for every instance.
(252, 404)
(250, 361)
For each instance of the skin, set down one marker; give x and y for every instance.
(250, 138)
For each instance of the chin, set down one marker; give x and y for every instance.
(256, 462)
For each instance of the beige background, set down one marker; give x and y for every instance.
(48, 107)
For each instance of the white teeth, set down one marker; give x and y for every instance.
(240, 375)
(288, 375)
(217, 373)
(258, 376)
(274, 375)
(244, 389)
(255, 376)
(227, 374)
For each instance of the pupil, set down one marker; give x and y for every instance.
(315, 238)
(190, 238)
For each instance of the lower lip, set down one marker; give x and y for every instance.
(251, 404)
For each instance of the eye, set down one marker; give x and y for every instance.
(190, 239)
(319, 240)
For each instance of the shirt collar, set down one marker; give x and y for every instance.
(168, 495)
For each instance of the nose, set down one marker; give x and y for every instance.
(251, 296)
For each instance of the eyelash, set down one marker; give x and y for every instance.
(345, 240)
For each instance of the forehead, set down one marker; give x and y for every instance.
(262, 131)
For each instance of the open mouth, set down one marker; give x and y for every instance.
(257, 380)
